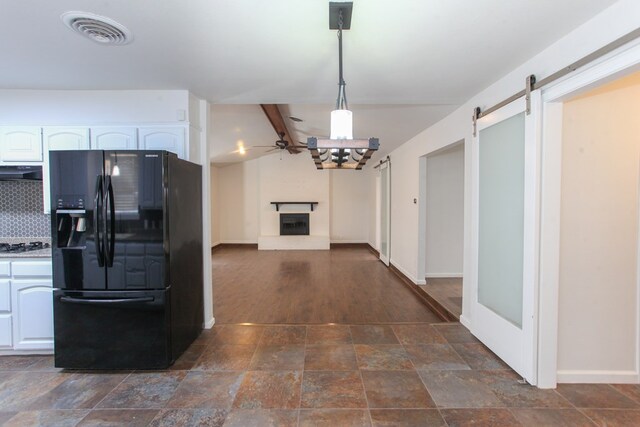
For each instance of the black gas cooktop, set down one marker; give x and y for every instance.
(22, 247)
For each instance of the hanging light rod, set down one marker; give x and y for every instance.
(341, 150)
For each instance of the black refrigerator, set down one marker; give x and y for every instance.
(126, 231)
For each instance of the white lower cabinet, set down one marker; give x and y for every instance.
(32, 302)
(26, 306)
(6, 340)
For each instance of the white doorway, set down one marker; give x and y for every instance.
(442, 173)
(597, 168)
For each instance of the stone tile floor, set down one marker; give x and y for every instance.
(325, 375)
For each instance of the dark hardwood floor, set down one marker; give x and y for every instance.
(344, 285)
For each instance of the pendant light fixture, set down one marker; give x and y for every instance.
(341, 151)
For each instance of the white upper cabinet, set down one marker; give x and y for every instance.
(20, 144)
(65, 138)
(163, 138)
(114, 138)
(59, 138)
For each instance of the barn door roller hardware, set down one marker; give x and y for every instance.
(531, 83)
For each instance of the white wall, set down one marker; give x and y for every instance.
(246, 190)
(597, 327)
(92, 107)
(238, 202)
(374, 213)
(215, 205)
(612, 23)
(293, 178)
(350, 206)
(445, 213)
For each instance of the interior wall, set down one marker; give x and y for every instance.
(372, 191)
(215, 205)
(293, 178)
(238, 202)
(597, 327)
(610, 24)
(247, 189)
(445, 213)
(92, 107)
(350, 206)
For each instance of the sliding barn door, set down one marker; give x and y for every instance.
(505, 159)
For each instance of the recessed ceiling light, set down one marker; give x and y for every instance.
(295, 119)
(98, 28)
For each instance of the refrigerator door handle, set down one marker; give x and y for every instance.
(90, 301)
(98, 221)
(111, 235)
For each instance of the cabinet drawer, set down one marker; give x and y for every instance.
(5, 295)
(22, 269)
(5, 269)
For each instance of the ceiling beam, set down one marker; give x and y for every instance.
(277, 121)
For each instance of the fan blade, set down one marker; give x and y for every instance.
(263, 146)
(273, 149)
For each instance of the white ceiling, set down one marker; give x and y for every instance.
(433, 54)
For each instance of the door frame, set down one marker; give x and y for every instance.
(422, 205)
(617, 64)
(522, 358)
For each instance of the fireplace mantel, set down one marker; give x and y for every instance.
(311, 204)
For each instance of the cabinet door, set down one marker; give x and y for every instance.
(6, 340)
(59, 138)
(66, 138)
(114, 138)
(6, 331)
(20, 144)
(163, 138)
(32, 305)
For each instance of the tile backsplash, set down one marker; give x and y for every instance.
(21, 210)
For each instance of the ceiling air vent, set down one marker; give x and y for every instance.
(101, 30)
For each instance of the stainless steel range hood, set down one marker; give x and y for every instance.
(20, 173)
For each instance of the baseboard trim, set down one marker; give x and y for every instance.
(208, 324)
(348, 245)
(465, 322)
(443, 276)
(373, 250)
(445, 316)
(235, 246)
(599, 377)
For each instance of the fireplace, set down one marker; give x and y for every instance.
(294, 224)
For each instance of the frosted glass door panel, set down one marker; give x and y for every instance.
(501, 218)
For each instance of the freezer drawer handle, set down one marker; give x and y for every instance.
(105, 301)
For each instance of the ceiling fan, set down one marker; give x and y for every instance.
(281, 144)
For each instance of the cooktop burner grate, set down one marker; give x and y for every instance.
(23, 247)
